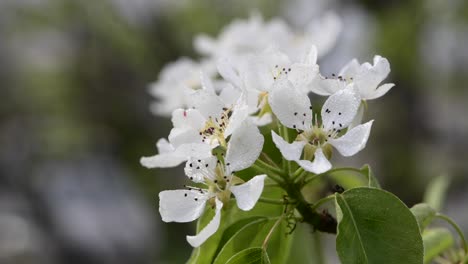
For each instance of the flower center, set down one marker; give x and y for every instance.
(213, 131)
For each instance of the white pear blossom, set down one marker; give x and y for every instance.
(314, 139)
(257, 76)
(198, 130)
(365, 77)
(177, 81)
(218, 175)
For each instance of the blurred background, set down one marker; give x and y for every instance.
(75, 119)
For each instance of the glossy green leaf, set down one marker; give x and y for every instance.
(255, 255)
(436, 241)
(424, 214)
(253, 235)
(436, 191)
(374, 226)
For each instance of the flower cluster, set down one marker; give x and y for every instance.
(216, 119)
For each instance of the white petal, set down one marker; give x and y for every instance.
(247, 194)
(325, 87)
(240, 112)
(370, 76)
(350, 69)
(204, 44)
(262, 121)
(210, 228)
(244, 147)
(319, 165)
(357, 120)
(340, 108)
(164, 146)
(311, 58)
(229, 95)
(198, 169)
(206, 82)
(301, 75)
(292, 108)
(181, 205)
(353, 141)
(196, 150)
(381, 90)
(291, 151)
(163, 160)
(180, 136)
(207, 103)
(182, 118)
(227, 71)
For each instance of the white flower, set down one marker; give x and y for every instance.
(176, 83)
(294, 111)
(366, 79)
(198, 130)
(257, 75)
(218, 175)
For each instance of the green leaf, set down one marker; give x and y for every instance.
(436, 241)
(255, 255)
(374, 226)
(424, 214)
(253, 235)
(436, 191)
(352, 178)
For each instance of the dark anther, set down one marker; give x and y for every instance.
(206, 165)
(304, 114)
(225, 108)
(333, 122)
(215, 181)
(339, 113)
(295, 113)
(198, 167)
(191, 178)
(341, 125)
(294, 126)
(228, 164)
(199, 160)
(196, 199)
(190, 165)
(185, 195)
(310, 107)
(289, 69)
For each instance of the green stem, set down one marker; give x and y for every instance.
(278, 179)
(269, 160)
(300, 177)
(267, 167)
(456, 227)
(273, 201)
(297, 173)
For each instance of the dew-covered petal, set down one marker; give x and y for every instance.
(247, 194)
(353, 141)
(207, 103)
(340, 109)
(370, 76)
(240, 112)
(350, 70)
(263, 120)
(357, 120)
(196, 150)
(324, 86)
(244, 147)
(291, 151)
(181, 205)
(180, 136)
(210, 228)
(291, 107)
(198, 169)
(205, 44)
(206, 82)
(227, 71)
(381, 91)
(183, 118)
(301, 75)
(320, 164)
